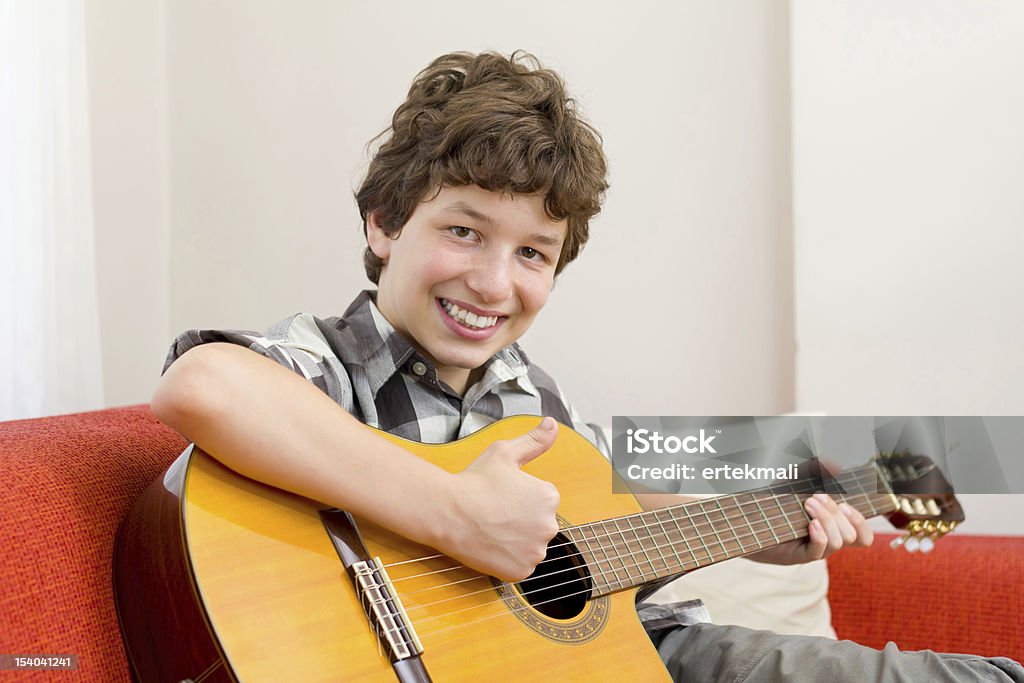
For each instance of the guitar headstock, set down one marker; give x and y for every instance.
(925, 504)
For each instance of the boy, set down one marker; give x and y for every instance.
(479, 197)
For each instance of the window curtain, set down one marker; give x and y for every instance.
(50, 358)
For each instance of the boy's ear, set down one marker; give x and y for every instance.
(378, 240)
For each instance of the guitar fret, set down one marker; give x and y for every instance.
(682, 537)
(768, 523)
(805, 517)
(643, 546)
(631, 553)
(711, 527)
(610, 575)
(571, 533)
(615, 556)
(728, 522)
(653, 534)
(630, 558)
(845, 482)
(869, 498)
(784, 513)
(749, 518)
(743, 501)
(625, 552)
(868, 502)
(673, 518)
(594, 553)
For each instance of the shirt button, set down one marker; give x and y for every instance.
(419, 368)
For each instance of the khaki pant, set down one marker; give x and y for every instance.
(733, 654)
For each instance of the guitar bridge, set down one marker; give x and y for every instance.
(384, 609)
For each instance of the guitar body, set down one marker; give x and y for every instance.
(218, 577)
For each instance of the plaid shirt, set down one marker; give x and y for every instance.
(372, 371)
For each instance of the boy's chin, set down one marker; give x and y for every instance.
(463, 362)
(470, 360)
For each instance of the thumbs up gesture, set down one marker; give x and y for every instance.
(499, 519)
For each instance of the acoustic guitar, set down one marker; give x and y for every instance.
(220, 578)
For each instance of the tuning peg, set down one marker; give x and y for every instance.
(912, 544)
(897, 542)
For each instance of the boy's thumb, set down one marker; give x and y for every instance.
(536, 441)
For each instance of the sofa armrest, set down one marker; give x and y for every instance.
(68, 481)
(967, 595)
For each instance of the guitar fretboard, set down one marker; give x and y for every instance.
(630, 551)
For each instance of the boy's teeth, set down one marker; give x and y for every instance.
(468, 318)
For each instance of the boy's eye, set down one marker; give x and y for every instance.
(532, 254)
(461, 231)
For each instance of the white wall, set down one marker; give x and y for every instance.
(228, 137)
(908, 181)
(127, 89)
(271, 105)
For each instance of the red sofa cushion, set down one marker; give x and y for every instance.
(67, 482)
(967, 595)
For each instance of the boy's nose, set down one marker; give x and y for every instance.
(491, 279)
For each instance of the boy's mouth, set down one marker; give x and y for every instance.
(467, 318)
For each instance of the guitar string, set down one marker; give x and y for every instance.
(710, 555)
(615, 545)
(629, 545)
(734, 505)
(513, 608)
(522, 608)
(722, 549)
(709, 552)
(803, 486)
(753, 492)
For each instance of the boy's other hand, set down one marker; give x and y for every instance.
(500, 519)
(832, 527)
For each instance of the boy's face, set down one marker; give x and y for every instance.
(467, 275)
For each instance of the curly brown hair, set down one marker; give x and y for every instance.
(503, 123)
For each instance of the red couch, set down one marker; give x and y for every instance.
(67, 481)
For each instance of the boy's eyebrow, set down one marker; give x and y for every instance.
(467, 210)
(547, 240)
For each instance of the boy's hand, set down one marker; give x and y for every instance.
(832, 527)
(500, 518)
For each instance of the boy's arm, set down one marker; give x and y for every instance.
(831, 528)
(267, 423)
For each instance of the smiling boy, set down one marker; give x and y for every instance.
(466, 275)
(478, 198)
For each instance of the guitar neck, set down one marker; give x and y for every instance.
(630, 551)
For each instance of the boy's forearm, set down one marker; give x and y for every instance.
(267, 423)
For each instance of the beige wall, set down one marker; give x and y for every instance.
(909, 209)
(909, 213)
(127, 91)
(227, 138)
(682, 301)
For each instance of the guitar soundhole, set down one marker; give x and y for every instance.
(560, 585)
